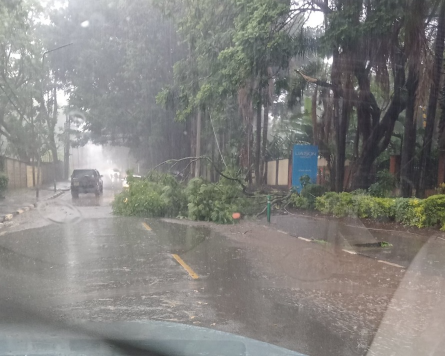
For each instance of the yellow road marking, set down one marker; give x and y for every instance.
(185, 266)
(146, 226)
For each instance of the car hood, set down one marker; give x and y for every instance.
(124, 338)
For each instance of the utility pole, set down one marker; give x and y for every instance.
(55, 108)
(66, 159)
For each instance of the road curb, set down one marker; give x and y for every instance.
(25, 208)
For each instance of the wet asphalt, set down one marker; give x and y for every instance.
(72, 260)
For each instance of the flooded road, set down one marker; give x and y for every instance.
(72, 260)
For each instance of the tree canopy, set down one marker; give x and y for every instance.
(239, 80)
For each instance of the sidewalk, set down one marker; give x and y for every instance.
(18, 198)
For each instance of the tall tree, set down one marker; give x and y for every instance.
(21, 74)
(122, 56)
(432, 101)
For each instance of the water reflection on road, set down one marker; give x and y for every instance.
(309, 297)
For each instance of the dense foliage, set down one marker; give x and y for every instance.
(306, 199)
(421, 213)
(28, 104)
(156, 196)
(240, 81)
(161, 195)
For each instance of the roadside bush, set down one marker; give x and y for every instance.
(309, 193)
(214, 201)
(403, 210)
(4, 180)
(143, 198)
(300, 202)
(428, 212)
(158, 195)
(366, 206)
(200, 196)
(338, 204)
(415, 213)
(161, 195)
(434, 211)
(361, 205)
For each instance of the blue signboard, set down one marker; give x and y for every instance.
(304, 162)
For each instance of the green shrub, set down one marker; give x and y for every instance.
(300, 202)
(338, 204)
(158, 195)
(366, 206)
(323, 203)
(388, 207)
(384, 185)
(403, 210)
(363, 206)
(415, 213)
(215, 201)
(434, 211)
(143, 198)
(4, 180)
(200, 197)
(428, 212)
(310, 192)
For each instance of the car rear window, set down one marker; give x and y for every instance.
(83, 172)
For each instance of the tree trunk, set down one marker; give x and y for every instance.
(342, 113)
(314, 116)
(198, 144)
(212, 168)
(342, 101)
(332, 166)
(249, 130)
(409, 138)
(51, 135)
(337, 105)
(432, 102)
(375, 132)
(192, 137)
(265, 130)
(258, 143)
(441, 138)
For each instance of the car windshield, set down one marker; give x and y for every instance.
(222, 177)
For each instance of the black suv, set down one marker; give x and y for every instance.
(86, 181)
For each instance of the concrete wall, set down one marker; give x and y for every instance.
(272, 173)
(20, 174)
(16, 172)
(283, 172)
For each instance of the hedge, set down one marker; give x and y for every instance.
(421, 213)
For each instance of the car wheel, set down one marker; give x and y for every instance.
(75, 195)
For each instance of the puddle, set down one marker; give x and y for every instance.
(179, 239)
(59, 212)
